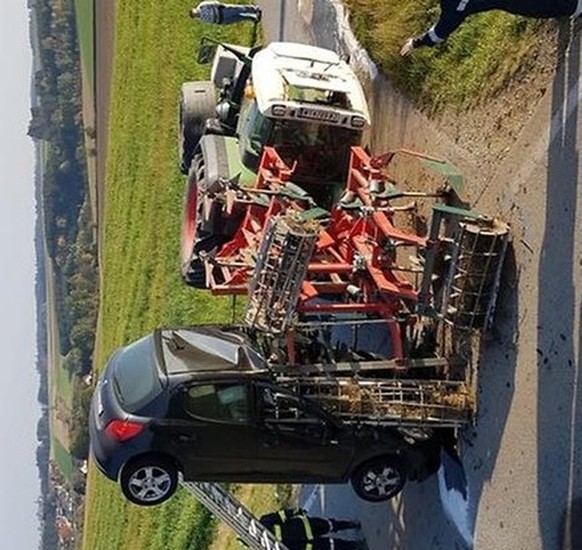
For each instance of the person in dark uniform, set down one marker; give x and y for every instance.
(298, 531)
(454, 12)
(218, 13)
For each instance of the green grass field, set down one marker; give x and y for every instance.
(64, 384)
(475, 63)
(156, 50)
(60, 380)
(86, 35)
(60, 388)
(63, 459)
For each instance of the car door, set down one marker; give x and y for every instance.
(296, 443)
(211, 430)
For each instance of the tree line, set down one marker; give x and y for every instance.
(56, 125)
(69, 230)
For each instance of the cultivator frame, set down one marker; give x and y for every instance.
(301, 264)
(352, 249)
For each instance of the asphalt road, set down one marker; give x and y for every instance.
(522, 462)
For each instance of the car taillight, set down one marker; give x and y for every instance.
(122, 430)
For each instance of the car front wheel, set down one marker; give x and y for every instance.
(149, 481)
(379, 479)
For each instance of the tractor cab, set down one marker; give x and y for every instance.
(308, 104)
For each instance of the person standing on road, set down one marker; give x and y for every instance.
(454, 12)
(225, 14)
(298, 531)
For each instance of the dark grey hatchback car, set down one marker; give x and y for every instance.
(202, 401)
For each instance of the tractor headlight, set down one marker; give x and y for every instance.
(278, 110)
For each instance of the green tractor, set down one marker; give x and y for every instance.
(304, 101)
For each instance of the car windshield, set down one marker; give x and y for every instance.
(312, 144)
(135, 376)
(201, 349)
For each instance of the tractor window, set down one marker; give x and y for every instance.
(303, 133)
(254, 128)
(322, 153)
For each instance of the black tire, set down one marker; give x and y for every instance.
(149, 481)
(197, 105)
(197, 234)
(379, 479)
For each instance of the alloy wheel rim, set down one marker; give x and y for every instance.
(381, 481)
(150, 483)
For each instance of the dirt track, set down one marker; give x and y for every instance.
(104, 47)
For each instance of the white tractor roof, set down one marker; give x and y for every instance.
(293, 75)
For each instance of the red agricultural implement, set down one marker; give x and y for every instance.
(290, 251)
(367, 295)
(372, 258)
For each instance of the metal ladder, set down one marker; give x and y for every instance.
(222, 504)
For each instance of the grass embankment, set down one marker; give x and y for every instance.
(156, 45)
(476, 62)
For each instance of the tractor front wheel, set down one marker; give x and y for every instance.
(197, 105)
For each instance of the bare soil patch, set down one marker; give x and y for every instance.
(104, 52)
(488, 129)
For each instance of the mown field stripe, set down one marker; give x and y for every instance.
(155, 52)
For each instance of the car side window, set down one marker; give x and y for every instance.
(222, 402)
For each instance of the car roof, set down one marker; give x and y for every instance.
(205, 348)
